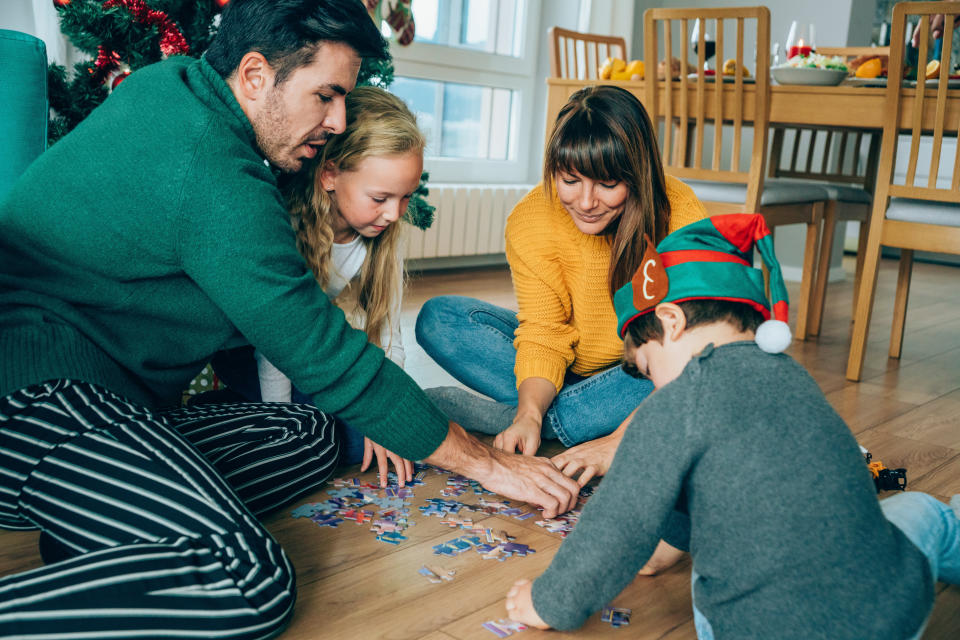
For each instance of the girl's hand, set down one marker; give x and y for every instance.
(523, 434)
(520, 605)
(403, 466)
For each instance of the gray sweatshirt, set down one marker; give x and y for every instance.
(785, 530)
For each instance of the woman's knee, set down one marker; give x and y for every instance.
(435, 319)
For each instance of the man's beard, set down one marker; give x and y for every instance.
(269, 127)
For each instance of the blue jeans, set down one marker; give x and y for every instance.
(473, 341)
(238, 370)
(930, 525)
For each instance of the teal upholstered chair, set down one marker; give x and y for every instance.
(23, 103)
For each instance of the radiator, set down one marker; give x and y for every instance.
(469, 220)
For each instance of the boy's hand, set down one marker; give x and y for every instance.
(520, 605)
(523, 434)
(403, 466)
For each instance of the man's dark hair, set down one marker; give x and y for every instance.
(288, 33)
(739, 314)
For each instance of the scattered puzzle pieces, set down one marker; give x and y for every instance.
(437, 574)
(616, 616)
(503, 628)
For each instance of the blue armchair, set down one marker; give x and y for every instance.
(23, 103)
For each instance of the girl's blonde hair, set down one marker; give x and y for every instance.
(378, 124)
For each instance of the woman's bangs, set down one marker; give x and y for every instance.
(591, 156)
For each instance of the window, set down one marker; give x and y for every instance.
(468, 76)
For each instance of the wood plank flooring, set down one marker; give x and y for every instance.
(907, 412)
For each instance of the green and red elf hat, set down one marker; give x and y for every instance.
(711, 259)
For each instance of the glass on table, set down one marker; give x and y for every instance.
(709, 44)
(800, 40)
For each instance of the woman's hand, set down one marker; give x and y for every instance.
(593, 458)
(520, 605)
(403, 466)
(590, 459)
(523, 434)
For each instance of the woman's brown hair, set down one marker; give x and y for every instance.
(605, 134)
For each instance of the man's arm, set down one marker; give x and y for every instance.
(533, 480)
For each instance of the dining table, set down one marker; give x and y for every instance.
(847, 105)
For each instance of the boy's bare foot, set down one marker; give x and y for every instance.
(664, 557)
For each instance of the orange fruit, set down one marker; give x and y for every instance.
(933, 69)
(611, 65)
(870, 69)
(730, 68)
(635, 68)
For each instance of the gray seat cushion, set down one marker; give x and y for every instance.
(908, 210)
(837, 191)
(774, 192)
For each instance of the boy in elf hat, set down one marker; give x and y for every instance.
(776, 554)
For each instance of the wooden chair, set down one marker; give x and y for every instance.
(847, 170)
(579, 55)
(686, 105)
(910, 216)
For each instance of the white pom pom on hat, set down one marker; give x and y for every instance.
(773, 336)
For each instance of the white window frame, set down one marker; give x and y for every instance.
(443, 63)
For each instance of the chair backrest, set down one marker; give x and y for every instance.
(578, 55)
(23, 103)
(691, 102)
(919, 112)
(846, 156)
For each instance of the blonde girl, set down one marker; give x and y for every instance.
(345, 211)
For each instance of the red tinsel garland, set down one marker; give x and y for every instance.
(172, 41)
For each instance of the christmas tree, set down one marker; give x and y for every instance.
(121, 36)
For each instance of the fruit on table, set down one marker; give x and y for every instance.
(933, 69)
(635, 68)
(617, 69)
(610, 66)
(730, 68)
(675, 68)
(855, 64)
(870, 69)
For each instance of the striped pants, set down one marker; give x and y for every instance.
(164, 535)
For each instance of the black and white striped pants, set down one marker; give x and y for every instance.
(166, 534)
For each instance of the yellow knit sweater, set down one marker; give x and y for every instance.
(560, 277)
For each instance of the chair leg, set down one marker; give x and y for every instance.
(858, 274)
(866, 292)
(808, 276)
(900, 302)
(823, 268)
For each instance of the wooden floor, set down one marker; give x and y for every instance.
(906, 412)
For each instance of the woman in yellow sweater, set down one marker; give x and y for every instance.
(552, 369)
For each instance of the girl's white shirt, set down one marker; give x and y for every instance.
(347, 260)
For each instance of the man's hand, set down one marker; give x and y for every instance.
(520, 605)
(526, 478)
(403, 466)
(523, 434)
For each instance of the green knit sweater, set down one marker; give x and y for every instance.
(153, 235)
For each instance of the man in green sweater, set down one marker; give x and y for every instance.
(147, 239)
